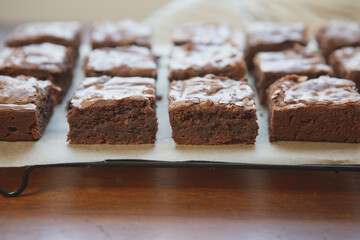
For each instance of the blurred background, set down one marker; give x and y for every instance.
(82, 10)
(163, 15)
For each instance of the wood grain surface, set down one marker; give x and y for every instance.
(181, 203)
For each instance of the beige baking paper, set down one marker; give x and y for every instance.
(52, 148)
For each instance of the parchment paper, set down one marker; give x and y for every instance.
(52, 148)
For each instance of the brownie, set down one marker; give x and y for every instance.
(192, 60)
(113, 110)
(122, 33)
(45, 61)
(62, 33)
(212, 110)
(320, 109)
(272, 36)
(26, 106)
(121, 61)
(271, 66)
(336, 34)
(208, 34)
(346, 63)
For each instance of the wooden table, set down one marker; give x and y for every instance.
(181, 203)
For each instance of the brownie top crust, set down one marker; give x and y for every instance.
(125, 32)
(105, 59)
(350, 57)
(339, 33)
(61, 30)
(295, 91)
(105, 90)
(22, 93)
(258, 33)
(202, 34)
(294, 60)
(198, 56)
(211, 89)
(45, 56)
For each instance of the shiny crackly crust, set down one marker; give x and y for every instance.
(191, 60)
(271, 66)
(63, 33)
(125, 61)
(121, 33)
(294, 91)
(336, 34)
(22, 92)
(104, 90)
(211, 89)
(272, 36)
(206, 34)
(48, 57)
(346, 63)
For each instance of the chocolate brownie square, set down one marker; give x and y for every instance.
(121, 61)
(45, 61)
(346, 63)
(212, 110)
(271, 66)
(113, 110)
(62, 33)
(208, 34)
(272, 36)
(336, 34)
(320, 109)
(26, 106)
(192, 60)
(122, 33)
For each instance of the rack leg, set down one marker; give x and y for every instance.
(24, 183)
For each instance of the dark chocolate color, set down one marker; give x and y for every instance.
(62, 33)
(272, 36)
(122, 33)
(113, 110)
(321, 109)
(212, 110)
(121, 61)
(207, 34)
(26, 105)
(45, 61)
(191, 60)
(271, 66)
(336, 34)
(346, 63)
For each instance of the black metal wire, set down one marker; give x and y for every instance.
(146, 163)
(186, 164)
(24, 183)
